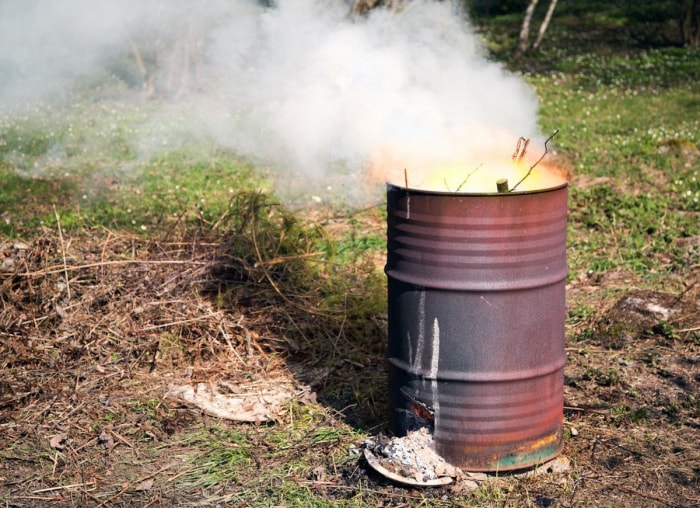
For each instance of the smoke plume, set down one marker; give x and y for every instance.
(325, 99)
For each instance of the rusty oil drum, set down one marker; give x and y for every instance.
(476, 287)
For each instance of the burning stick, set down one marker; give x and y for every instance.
(420, 409)
(546, 151)
(405, 177)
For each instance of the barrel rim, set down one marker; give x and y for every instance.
(392, 187)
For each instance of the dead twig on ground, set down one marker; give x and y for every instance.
(131, 484)
(54, 269)
(63, 251)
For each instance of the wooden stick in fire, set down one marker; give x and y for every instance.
(546, 151)
(467, 178)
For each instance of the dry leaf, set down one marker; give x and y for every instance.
(61, 312)
(145, 485)
(249, 404)
(56, 442)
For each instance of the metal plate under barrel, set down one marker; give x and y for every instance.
(476, 322)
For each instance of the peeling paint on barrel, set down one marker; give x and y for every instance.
(476, 322)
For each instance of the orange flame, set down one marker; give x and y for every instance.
(477, 176)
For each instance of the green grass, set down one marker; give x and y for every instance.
(612, 229)
(291, 451)
(104, 161)
(225, 456)
(626, 122)
(178, 186)
(619, 131)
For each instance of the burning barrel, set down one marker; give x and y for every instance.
(476, 288)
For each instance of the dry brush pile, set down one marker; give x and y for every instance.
(96, 325)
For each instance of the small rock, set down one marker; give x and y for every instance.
(318, 474)
(106, 440)
(477, 477)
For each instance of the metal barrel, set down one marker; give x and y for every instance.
(476, 309)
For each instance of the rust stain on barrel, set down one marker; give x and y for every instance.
(476, 321)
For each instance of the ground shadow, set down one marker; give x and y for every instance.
(337, 348)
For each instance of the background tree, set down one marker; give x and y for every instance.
(523, 40)
(689, 22)
(545, 24)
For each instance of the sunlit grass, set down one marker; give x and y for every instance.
(110, 164)
(627, 124)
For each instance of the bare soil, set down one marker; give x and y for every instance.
(95, 326)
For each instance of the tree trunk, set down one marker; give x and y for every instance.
(545, 23)
(525, 30)
(690, 22)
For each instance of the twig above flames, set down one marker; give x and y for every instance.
(459, 187)
(520, 149)
(520, 153)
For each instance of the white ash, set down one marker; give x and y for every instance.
(411, 456)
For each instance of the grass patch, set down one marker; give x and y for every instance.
(279, 464)
(634, 151)
(618, 230)
(225, 456)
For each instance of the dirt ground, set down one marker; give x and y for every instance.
(95, 326)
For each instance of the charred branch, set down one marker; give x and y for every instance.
(546, 151)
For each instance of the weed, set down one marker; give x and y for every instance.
(154, 409)
(491, 493)
(665, 330)
(111, 417)
(327, 435)
(225, 454)
(633, 415)
(671, 410)
(611, 377)
(694, 338)
(586, 334)
(664, 373)
(580, 313)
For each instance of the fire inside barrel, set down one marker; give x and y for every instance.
(476, 322)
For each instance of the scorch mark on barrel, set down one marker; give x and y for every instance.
(418, 359)
(434, 365)
(435, 358)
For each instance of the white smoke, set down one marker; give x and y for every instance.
(301, 86)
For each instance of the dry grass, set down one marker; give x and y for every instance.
(95, 324)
